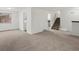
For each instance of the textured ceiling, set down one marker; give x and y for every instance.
(8, 9)
(55, 8)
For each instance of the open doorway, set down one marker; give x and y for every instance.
(56, 24)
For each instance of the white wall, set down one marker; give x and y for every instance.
(21, 19)
(25, 19)
(14, 22)
(75, 27)
(29, 20)
(67, 16)
(39, 20)
(65, 19)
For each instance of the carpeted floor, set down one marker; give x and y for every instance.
(43, 41)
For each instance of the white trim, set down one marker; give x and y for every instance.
(76, 34)
(63, 29)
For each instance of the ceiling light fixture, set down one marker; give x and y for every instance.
(9, 8)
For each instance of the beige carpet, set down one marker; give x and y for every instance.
(44, 41)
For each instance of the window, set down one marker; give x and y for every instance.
(5, 18)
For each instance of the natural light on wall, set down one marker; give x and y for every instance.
(49, 16)
(49, 20)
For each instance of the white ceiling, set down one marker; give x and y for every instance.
(14, 9)
(8, 9)
(45, 8)
(55, 8)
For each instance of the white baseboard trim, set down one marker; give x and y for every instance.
(63, 29)
(76, 34)
(9, 30)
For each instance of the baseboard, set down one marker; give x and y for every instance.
(76, 34)
(8, 30)
(63, 29)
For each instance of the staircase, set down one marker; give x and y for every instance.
(56, 24)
